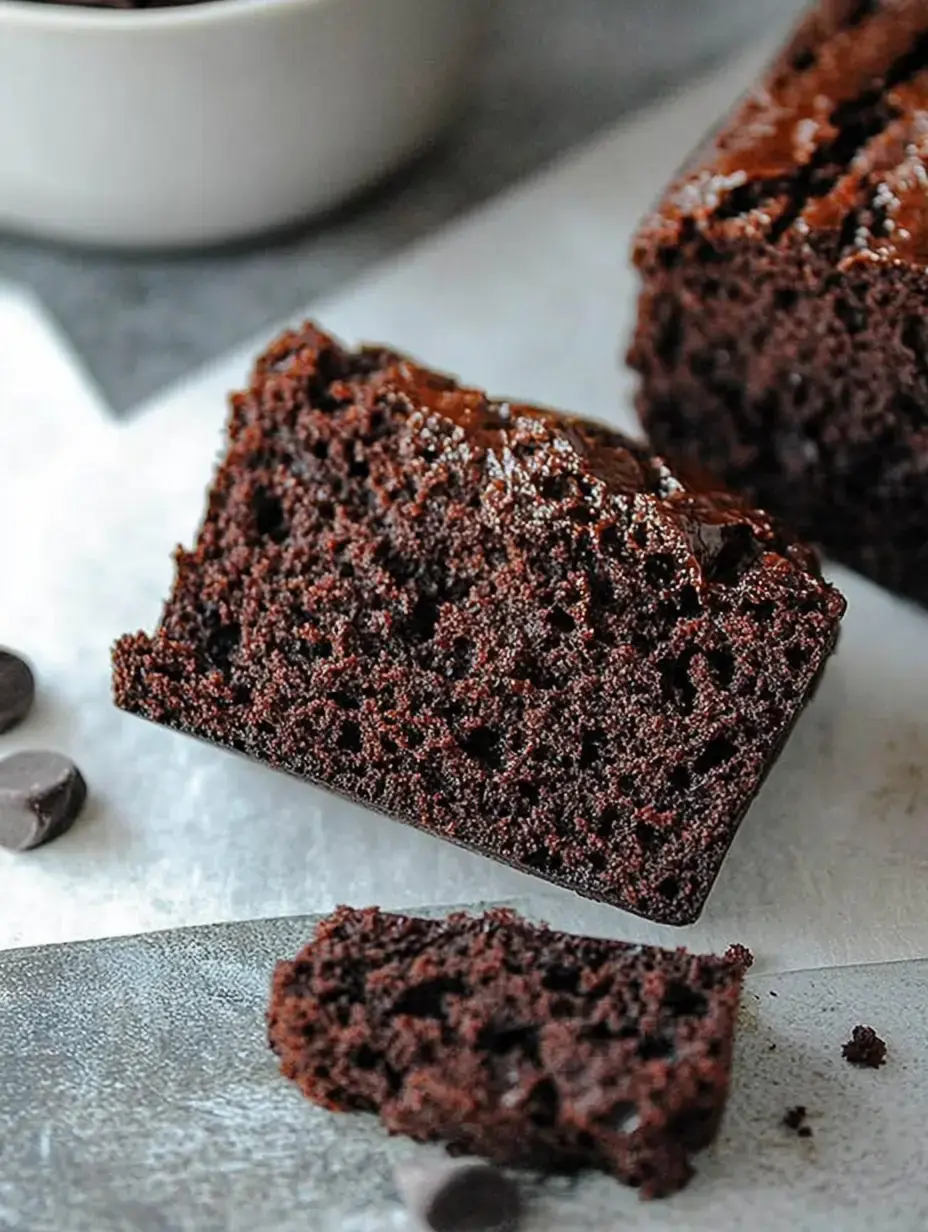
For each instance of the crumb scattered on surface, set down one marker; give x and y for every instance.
(795, 1119)
(865, 1048)
(739, 956)
(772, 993)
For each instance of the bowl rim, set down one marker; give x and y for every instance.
(53, 17)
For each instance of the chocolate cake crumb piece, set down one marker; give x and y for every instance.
(795, 1119)
(782, 340)
(511, 1041)
(864, 1048)
(740, 956)
(514, 629)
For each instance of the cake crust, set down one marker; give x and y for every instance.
(514, 629)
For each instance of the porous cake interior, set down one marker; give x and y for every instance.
(516, 630)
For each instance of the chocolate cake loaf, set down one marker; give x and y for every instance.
(513, 1042)
(514, 629)
(782, 339)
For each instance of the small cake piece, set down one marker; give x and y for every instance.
(864, 1048)
(514, 629)
(511, 1041)
(782, 339)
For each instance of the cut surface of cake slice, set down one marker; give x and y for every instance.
(782, 339)
(514, 629)
(513, 1041)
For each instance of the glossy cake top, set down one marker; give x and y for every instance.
(830, 149)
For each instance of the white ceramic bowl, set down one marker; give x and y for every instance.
(184, 126)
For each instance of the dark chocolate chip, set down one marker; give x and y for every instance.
(41, 794)
(463, 1195)
(17, 690)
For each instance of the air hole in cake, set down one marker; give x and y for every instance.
(598, 861)
(422, 620)
(528, 791)
(561, 979)
(542, 859)
(544, 1102)
(426, 1000)
(483, 744)
(349, 738)
(462, 658)
(582, 514)
(413, 737)
(609, 540)
(684, 1002)
(561, 620)
(785, 299)
(648, 838)
(607, 821)
(222, 641)
(797, 657)
(344, 700)
(668, 331)
(269, 515)
(722, 666)
(669, 256)
(679, 778)
(553, 487)
(859, 11)
(676, 685)
(640, 535)
(716, 753)
(655, 1047)
(320, 449)
(389, 745)
(501, 1040)
(803, 60)
(591, 748)
(660, 569)
(326, 510)
(366, 1058)
(668, 888)
(346, 569)
(690, 604)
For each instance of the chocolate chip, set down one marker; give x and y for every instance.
(463, 1195)
(41, 794)
(17, 690)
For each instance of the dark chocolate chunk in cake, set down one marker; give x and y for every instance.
(782, 339)
(514, 629)
(511, 1041)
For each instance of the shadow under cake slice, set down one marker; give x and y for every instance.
(511, 1041)
(514, 629)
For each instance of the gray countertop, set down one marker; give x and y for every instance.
(551, 75)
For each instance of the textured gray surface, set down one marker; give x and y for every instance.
(142, 1096)
(552, 74)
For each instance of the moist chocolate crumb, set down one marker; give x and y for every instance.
(739, 956)
(865, 1048)
(795, 1119)
(513, 1042)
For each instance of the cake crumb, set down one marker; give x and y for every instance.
(795, 1119)
(865, 1048)
(739, 956)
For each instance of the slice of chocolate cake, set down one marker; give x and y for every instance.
(516, 630)
(513, 1042)
(782, 339)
